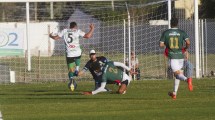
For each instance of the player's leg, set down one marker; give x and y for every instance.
(176, 66)
(175, 89)
(77, 63)
(138, 73)
(188, 71)
(125, 82)
(71, 68)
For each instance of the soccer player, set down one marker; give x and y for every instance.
(112, 72)
(188, 70)
(174, 40)
(96, 76)
(71, 39)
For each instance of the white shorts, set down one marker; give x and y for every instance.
(126, 77)
(176, 64)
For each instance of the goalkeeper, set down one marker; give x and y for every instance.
(71, 39)
(96, 76)
(112, 72)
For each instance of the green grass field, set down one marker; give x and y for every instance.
(144, 100)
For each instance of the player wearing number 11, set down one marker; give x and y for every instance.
(176, 42)
(71, 39)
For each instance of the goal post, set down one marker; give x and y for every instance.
(132, 27)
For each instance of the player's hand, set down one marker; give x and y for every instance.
(87, 93)
(50, 35)
(132, 72)
(92, 26)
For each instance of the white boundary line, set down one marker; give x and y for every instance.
(1, 118)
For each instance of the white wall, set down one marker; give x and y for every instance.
(39, 39)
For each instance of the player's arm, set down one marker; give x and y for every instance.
(162, 45)
(90, 33)
(122, 65)
(85, 69)
(187, 42)
(119, 64)
(98, 90)
(137, 63)
(57, 36)
(162, 39)
(54, 37)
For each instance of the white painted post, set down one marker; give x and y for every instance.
(203, 49)
(169, 13)
(206, 47)
(134, 37)
(124, 41)
(51, 10)
(27, 36)
(12, 77)
(129, 36)
(196, 15)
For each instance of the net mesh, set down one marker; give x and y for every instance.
(148, 21)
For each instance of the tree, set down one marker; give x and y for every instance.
(207, 9)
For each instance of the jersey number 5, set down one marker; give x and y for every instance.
(174, 43)
(70, 37)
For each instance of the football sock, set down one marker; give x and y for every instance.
(77, 68)
(181, 77)
(176, 85)
(70, 74)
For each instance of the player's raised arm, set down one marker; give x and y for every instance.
(90, 33)
(54, 37)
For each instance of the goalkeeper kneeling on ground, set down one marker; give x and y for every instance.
(112, 72)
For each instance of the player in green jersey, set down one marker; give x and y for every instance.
(112, 72)
(72, 37)
(176, 42)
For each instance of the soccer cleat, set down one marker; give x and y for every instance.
(190, 86)
(171, 94)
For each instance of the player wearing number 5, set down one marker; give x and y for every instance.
(71, 39)
(176, 42)
(112, 72)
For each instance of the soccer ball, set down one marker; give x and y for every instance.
(72, 87)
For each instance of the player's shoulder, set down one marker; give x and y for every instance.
(110, 63)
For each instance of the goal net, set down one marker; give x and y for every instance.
(119, 28)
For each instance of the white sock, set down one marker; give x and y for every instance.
(181, 77)
(77, 68)
(176, 85)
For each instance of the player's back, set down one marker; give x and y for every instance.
(111, 72)
(174, 40)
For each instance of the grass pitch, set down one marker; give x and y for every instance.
(144, 100)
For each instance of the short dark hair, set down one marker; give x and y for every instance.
(73, 24)
(95, 66)
(174, 22)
